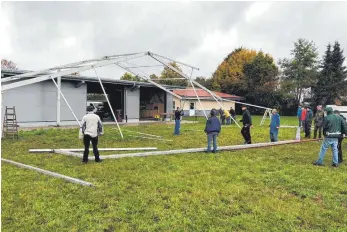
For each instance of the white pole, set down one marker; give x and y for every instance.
(202, 107)
(109, 104)
(67, 103)
(58, 102)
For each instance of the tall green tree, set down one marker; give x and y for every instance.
(206, 82)
(262, 81)
(300, 71)
(229, 76)
(168, 74)
(130, 77)
(331, 81)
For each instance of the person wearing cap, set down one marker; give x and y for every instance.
(178, 114)
(212, 130)
(308, 122)
(318, 122)
(298, 114)
(90, 131)
(247, 124)
(339, 144)
(274, 126)
(333, 128)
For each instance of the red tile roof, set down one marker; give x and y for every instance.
(189, 93)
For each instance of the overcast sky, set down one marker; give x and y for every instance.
(38, 35)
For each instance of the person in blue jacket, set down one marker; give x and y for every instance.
(212, 129)
(274, 126)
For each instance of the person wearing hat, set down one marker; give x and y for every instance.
(308, 122)
(212, 130)
(274, 126)
(247, 124)
(318, 122)
(339, 144)
(90, 131)
(333, 128)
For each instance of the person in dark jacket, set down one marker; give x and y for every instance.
(178, 114)
(318, 122)
(247, 124)
(274, 126)
(212, 129)
(222, 116)
(308, 122)
(233, 114)
(339, 144)
(333, 128)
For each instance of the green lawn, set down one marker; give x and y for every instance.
(272, 189)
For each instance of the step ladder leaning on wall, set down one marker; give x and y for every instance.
(10, 126)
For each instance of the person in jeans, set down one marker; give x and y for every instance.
(318, 122)
(339, 144)
(90, 131)
(333, 128)
(298, 114)
(227, 117)
(212, 129)
(222, 116)
(308, 122)
(274, 126)
(178, 114)
(247, 124)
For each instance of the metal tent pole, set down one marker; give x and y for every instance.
(58, 102)
(198, 84)
(67, 103)
(202, 107)
(109, 104)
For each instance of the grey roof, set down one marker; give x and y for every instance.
(13, 72)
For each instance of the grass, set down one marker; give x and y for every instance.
(269, 189)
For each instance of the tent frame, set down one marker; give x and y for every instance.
(118, 60)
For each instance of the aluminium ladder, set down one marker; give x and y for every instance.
(10, 126)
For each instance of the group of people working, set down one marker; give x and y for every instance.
(333, 125)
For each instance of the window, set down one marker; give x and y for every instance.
(174, 105)
(192, 106)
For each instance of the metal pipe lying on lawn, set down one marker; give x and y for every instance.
(191, 150)
(49, 173)
(143, 137)
(100, 149)
(143, 133)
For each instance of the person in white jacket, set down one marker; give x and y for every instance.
(90, 131)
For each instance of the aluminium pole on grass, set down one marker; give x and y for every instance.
(198, 84)
(109, 104)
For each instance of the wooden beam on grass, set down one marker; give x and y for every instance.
(100, 149)
(193, 150)
(49, 173)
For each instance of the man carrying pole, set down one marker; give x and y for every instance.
(247, 124)
(90, 131)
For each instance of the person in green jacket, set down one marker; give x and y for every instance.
(339, 145)
(333, 128)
